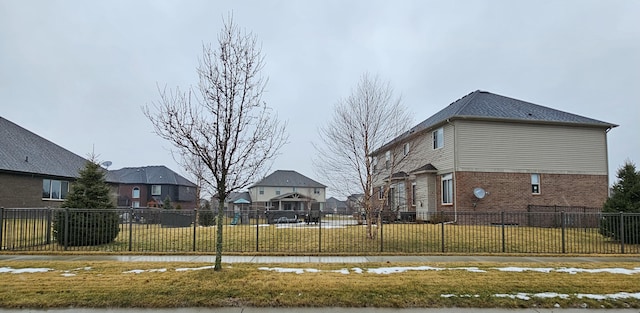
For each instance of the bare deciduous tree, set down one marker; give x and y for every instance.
(366, 120)
(223, 122)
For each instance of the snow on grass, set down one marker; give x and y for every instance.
(194, 268)
(403, 269)
(23, 270)
(551, 295)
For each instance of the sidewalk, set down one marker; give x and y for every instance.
(319, 259)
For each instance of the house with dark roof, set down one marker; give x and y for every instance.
(335, 206)
(34, 172)
(150, 186)
(285, 190)
(486, 152)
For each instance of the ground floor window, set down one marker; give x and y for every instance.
(535, 183)
(447, 189)
(54, 189)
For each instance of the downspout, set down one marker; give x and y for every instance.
(606, 149)
(455, 180)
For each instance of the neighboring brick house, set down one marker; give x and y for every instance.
(149, 186)
(512, 153)
(34, 172)
(287, 191)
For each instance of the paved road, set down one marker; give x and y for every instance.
(320, 259)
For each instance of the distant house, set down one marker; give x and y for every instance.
(34, 172)
(335, 206)
(150, 186)
(490, 153)
(287, 191)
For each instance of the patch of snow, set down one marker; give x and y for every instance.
(344, 271)
(357, 270)
(551, 295)
(573, 270)
(393, 270)
(447, 296)
(134, 272)
(155, 270)
(521, 296)
(67, 274)
(23, 270)
(524, 269)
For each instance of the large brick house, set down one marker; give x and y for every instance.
(36, 173)
(150, 186)
(490, 153)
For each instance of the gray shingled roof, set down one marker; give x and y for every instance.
(282, 178)
(25, 152)
(149, 175)
(483, 105)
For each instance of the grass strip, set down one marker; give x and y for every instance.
(104, 284)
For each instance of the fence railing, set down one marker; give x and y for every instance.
(174, 231)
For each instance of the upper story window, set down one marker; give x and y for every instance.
(54, 189)
(374, 163)
(135, 193)
(535, 183)
(316, 191)
(387, 159)
(447, 189)
(295, 189)
(156, 190)
(381, 193)
(277, 191)
(261, 190)
(438, 138)
(405, 149)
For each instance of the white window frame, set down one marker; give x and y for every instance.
(135, 204)
(134, 194)
(277, 191)
(438, 138)
(261, 190)
(535, 183)
(61, 186)
(406, 148)
(156, 190)
(447, 189)
(387, 159)
(413, 194)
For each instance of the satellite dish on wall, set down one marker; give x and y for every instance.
(479, 192)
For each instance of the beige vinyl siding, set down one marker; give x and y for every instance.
(270, 193)
(518, 147)
(441, 158)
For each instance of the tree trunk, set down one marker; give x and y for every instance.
(220, 223)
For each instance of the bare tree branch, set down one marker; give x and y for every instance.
(222, 124)
(369, 118)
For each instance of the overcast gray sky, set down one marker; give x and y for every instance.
(78, 72)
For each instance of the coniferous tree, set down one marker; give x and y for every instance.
(625, 198)
(91, 218)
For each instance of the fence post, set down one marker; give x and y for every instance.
(622, 232)
(442, 236)
(503, 237)
(320, 233)
(66, 228)
(257, 232)
(195, 222)
(562, 222)
(381, 222)
(131, 229)
(1, 223)
(49, 222)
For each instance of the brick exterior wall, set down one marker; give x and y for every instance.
(23, 191)
(512, 191)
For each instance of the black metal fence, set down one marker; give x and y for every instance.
(175, 231)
